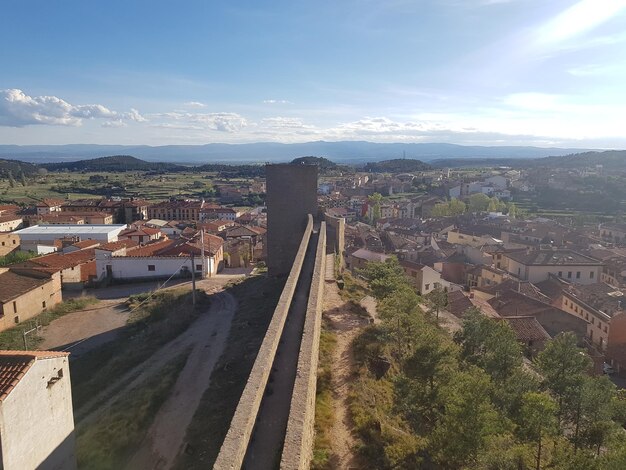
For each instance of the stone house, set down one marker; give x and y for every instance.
(25, 293)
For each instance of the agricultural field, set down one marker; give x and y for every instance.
(145, 185)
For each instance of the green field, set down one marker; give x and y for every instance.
(145, 185)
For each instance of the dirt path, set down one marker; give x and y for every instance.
(198, 332)
(91, 327)
(346, 324)
(165, 437)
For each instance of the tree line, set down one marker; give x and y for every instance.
(424, 398)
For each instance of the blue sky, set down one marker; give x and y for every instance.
(486, 72)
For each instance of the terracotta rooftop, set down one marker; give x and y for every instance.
(14, 283)
(15, 364)
(527, 328)
(458, 303)
(64, 261)
(118, 245)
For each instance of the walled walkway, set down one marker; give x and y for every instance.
(265, 446)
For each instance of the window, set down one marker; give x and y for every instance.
(560, 273)
(426, 286)
(15, 242)
(569, 274)
(2, 243)
(43, 304)
(14, 307)
(591, 274)
(151, 267)
(593, 320)
(198, 267)
(577, 274)
(16, 319)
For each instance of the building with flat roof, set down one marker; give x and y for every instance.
(45, 235)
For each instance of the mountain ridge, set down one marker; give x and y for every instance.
(340, 152)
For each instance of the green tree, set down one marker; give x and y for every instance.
(538, 420)
(512, 210)
(478, 202)
(563, 365)
(384, 278)
(457, 207)
(22, 178)
(493, 205)
(489, 344)
(375, 200)
(11, 180)
(468, 421)
(437, 300)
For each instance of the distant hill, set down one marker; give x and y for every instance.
(16, 167)
(352, 152)
(323, 163)
(397, 166)
(113, 163)
(610, 159)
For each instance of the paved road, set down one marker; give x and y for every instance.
(264, 449)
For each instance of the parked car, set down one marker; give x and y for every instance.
(608, 369)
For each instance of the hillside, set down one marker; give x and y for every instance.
(397, 166)
(610, 159)
(16, 167)
(113, 163)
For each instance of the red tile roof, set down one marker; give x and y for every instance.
(118, 245)
(15, 364)
(527, 328)
(16, 282)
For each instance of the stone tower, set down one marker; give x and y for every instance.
(291, 195)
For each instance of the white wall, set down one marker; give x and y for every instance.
(536, 274)
(37, 420)
(129, 267)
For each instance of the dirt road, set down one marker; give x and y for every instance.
(207, 338)
(346, 324)
(91, 327)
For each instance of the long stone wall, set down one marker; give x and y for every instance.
(298, 447)
(235, 444)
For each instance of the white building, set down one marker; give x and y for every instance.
(36, 418)
(41, 238)
(536, 266)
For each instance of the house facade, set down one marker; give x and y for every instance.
(25, 293)
(537, 265)
(36, 417)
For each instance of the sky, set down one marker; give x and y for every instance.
(475, 72)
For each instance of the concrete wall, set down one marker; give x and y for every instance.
(291, 196)
(298, 448)
(235, 444)
(36, 419)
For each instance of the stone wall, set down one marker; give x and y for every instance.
(298, 448)
(235, 444)
(291, 195)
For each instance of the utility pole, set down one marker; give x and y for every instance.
(203, 255)
(193, 281)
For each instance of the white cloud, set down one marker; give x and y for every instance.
(17, 109)
(114, 124)
(284, 123)
(578, 19)
(134, 115)
(194, 104)
(277, 102)
(223, 122)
